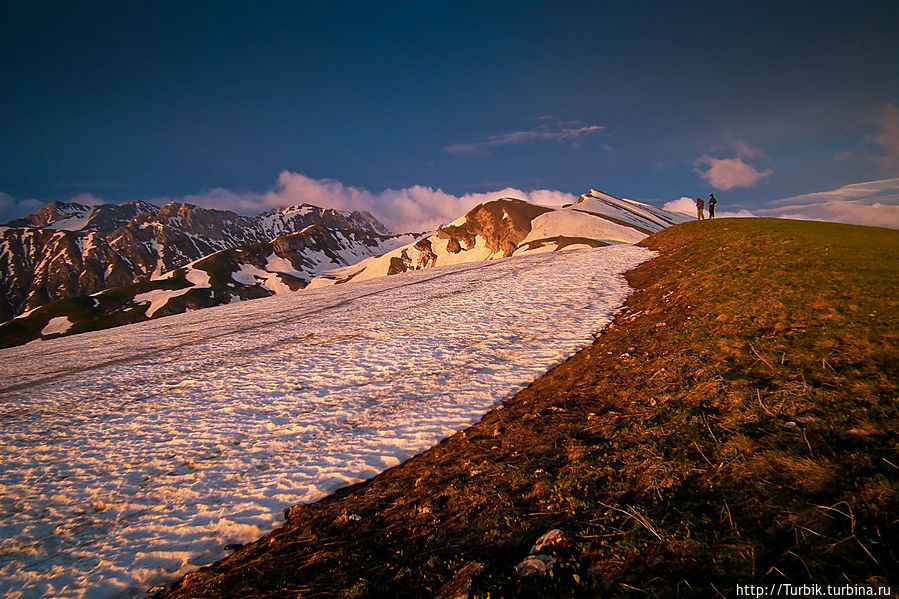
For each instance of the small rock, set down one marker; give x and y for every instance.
(553, 538)
(344, 518)
(539, 472)
(790, 425)
(535, 564)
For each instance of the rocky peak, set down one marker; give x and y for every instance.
(503, 223)
(50, 214)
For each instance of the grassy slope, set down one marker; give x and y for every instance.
(737, 424)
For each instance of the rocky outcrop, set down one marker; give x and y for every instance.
(502, 223)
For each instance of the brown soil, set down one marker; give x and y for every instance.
(737, 424)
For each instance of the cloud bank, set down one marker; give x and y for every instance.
(417, 208)
(11, 208)
(560, 131)
(872, 203)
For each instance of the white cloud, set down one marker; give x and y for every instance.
(11, 208)
(683, 205)
(747, 152)
(873, 203)
(561, 131)
(728, 173)
(416, 208)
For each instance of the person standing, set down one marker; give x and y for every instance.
(712, 202)
(699, 209)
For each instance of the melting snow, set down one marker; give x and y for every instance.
(60, 324)
(136, 454)
(579, 224)
(275, 263)
(158, 298)
(74, 222)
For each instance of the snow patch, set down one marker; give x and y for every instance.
(57, 325)
(572, 223)
(158, 298)
(200, 278)
(275, 263)
(75, 222)
(138, 453)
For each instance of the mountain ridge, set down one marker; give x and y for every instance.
(316, 256)
(511, 227)
(68, 249)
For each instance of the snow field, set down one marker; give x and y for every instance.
(135, 455)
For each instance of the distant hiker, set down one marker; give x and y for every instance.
(712, 202)
(699, 213)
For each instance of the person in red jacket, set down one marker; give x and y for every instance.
(699, 206)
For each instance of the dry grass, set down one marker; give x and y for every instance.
(738, 423)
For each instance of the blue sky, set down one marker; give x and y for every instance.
(416, 110)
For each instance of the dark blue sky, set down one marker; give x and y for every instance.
(647, 100)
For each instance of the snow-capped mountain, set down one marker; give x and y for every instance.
(511, 227)
(285, 264)
(68, 250)
(337, 247)
(72, 216)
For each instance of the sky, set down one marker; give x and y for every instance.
(417, 111)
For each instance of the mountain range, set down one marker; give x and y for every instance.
(68, 249)
(72, 268)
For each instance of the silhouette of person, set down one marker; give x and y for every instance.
(699, 212)
(712, 202)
